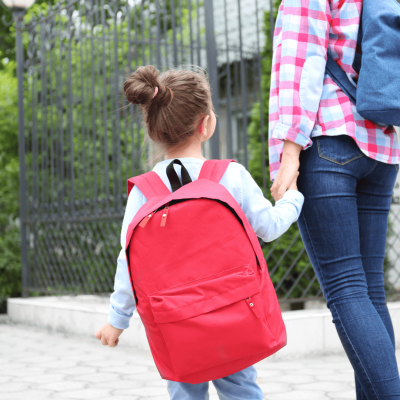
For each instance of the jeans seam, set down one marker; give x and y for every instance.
(313, 250)
(370, 171)
(334, 161)
(397, 167)
(337, 162)
(327, 293)
(351, 344)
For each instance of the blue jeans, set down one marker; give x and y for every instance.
(239, 386)
(343, 225)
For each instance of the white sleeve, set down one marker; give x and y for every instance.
(269, 222)
(122, 302)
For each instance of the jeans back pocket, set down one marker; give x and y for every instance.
(340, 149)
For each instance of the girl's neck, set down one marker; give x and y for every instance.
(192, 151)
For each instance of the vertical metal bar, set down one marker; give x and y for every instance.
(149, 46)
(212, 71)
(99, 125)
(181, 30)
(174, 43)
(143, 36)
(71, 125)
(125, 107)
(43, 133)
(165, 32)
(60, 124)
(111, 107)
(132, 171)
(198, 33)
(264, 172)
(138, 124)
(18, 16)
(83, 172)
(228, 89)
(117, 142)
(106, 172)
(35, 170)
(158, 46)
(43, 174)
(271, 20)
(43, 138)
(191, 32)
(243, 87)
(52, 189)
(94, 127)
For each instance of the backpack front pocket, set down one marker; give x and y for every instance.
(212, 321)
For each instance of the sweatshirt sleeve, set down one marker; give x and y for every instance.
(269, 222)
(122, 302)
(298, 70)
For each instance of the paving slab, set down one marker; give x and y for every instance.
(38, 364)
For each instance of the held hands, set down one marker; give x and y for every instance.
(108, 335)
(288, 171)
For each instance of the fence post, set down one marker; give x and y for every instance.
(212, 69)
(18, 15)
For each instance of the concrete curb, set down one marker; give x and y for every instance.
(310, 332)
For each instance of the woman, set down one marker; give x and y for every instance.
(348, 168)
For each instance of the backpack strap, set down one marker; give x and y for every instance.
(340, 78)
(214, 170)
(150, 184)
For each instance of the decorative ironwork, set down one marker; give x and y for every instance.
(80, 139)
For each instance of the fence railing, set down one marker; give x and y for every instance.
(83, 140)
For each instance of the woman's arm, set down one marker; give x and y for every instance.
(298, 70)
(288, 170)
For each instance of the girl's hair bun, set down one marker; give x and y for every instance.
(140, 87)
(173, 112)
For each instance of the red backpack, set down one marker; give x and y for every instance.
(199, 278)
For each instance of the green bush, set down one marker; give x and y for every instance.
(10, 261)
(289, 266)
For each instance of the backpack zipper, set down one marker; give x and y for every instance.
(145, 220)
(165, 215)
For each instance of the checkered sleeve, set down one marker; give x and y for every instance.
(298, 67)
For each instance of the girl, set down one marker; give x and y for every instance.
(178, 115)
(347, 172)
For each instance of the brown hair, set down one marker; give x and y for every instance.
(172, 115)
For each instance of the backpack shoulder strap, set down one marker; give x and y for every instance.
(340, 78)
(150, 184)
(214, 170)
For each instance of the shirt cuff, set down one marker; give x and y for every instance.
(285, 132)
(117, 320)
(293, 195)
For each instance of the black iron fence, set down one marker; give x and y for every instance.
(81, 140)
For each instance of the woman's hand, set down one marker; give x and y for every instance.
(288, 171)
(108, 335)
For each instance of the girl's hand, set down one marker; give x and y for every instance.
(108, 335)
(288, 171)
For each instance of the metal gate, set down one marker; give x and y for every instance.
(80, 139)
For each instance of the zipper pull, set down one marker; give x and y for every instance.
(164, 216)
(145, 220)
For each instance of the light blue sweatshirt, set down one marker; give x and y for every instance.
(267, 221)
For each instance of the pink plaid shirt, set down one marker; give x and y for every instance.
(304, 101)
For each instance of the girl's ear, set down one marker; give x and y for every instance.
(203, 127)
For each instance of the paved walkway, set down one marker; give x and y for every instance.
(37, 365)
